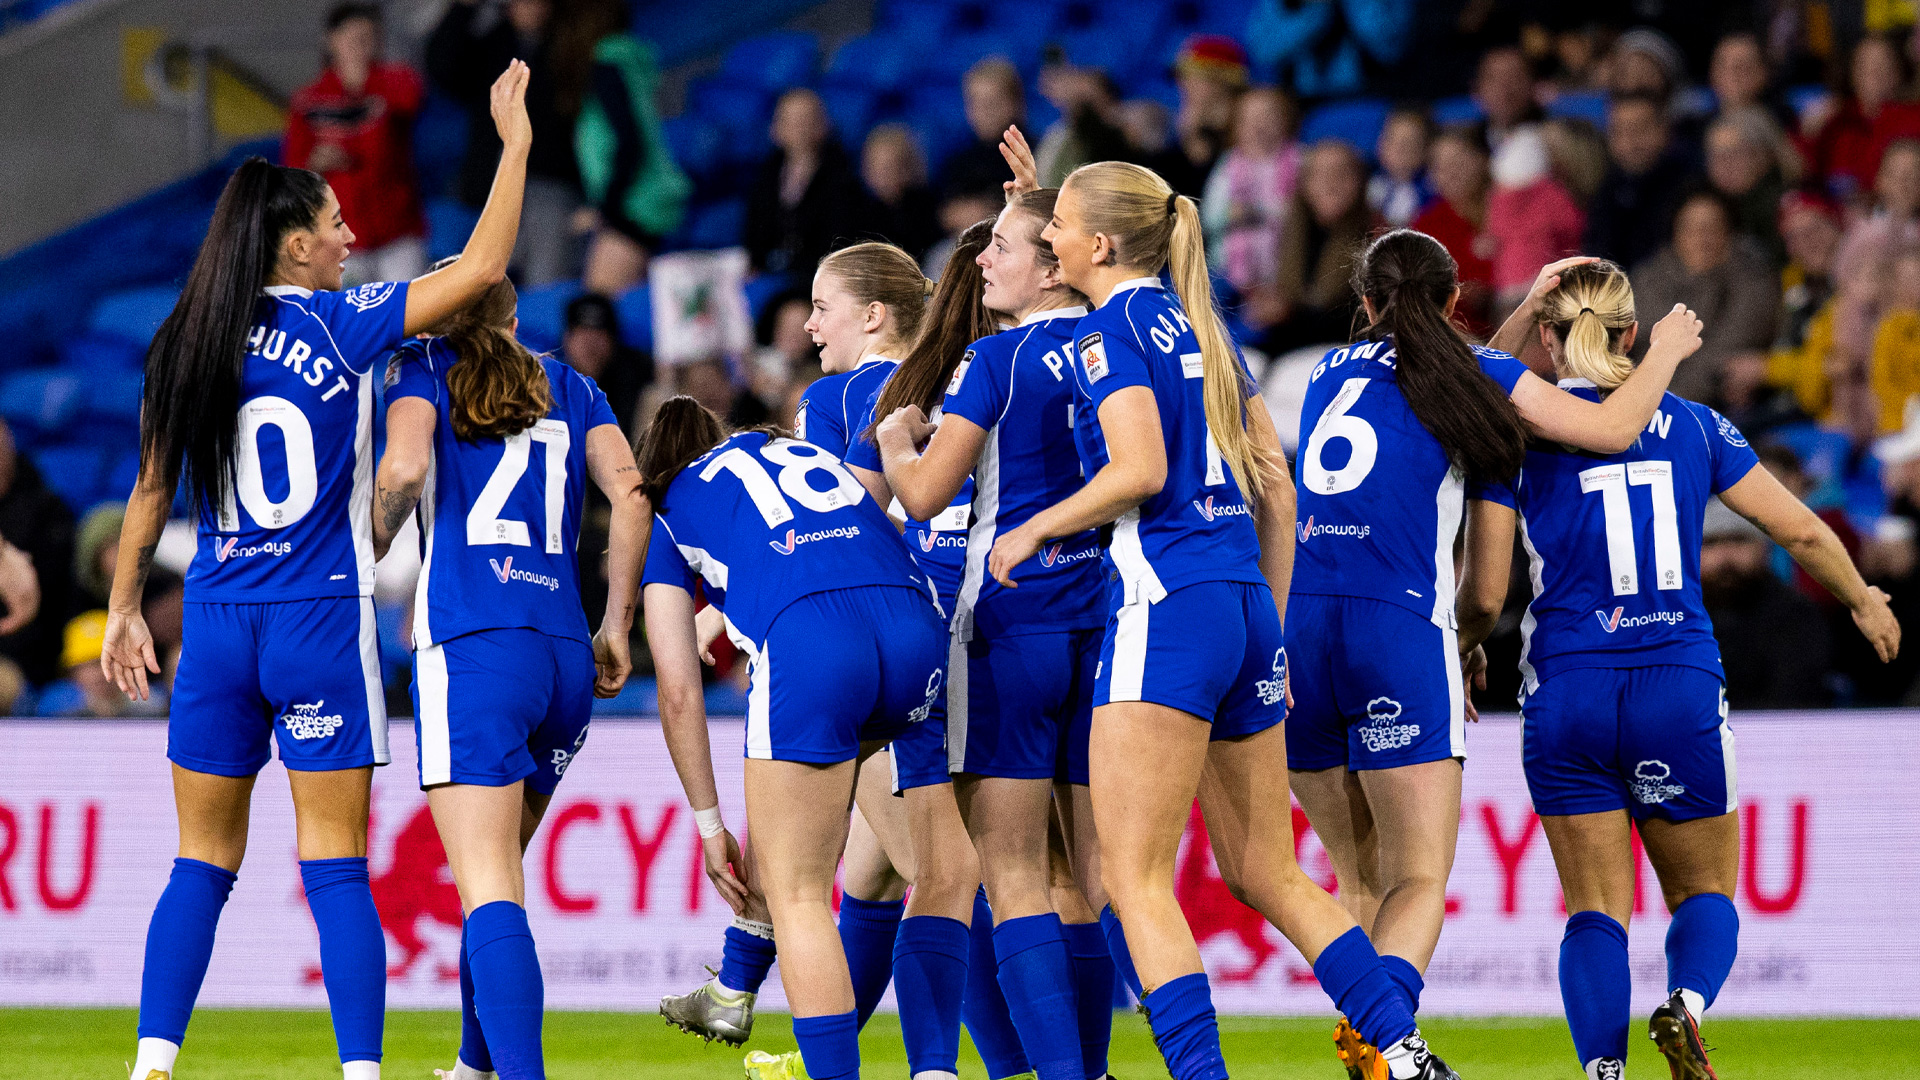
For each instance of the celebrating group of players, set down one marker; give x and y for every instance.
(1033, 538)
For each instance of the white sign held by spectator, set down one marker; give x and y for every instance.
(700, 306)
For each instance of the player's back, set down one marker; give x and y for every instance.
(763, 520)
(1613, 543)
(500, 517)
(296, 523)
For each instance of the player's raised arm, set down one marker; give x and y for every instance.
(484, 260)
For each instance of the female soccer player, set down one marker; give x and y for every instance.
(1022, 664)
(279, 638)
(1394, 427)
(1183, 462)
(847, 650)
(501, 442)
(1625, 715)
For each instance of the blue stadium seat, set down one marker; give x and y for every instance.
(741, 112)
(101, 354)
(1113, 50)
(114, 397)
(925, 20)
(761, 291)
(62, 697)
(41, 401)
(121, 472)
(1590, 106)
(133, 315)
(697, 145)
(718, 224)
(449, 223)
(773, 61)
(543, 314)
(1357, 121)
(439, 144)
(73, 472)
(636, 317)
(851, 109)
(1457, 110)
(877, 61)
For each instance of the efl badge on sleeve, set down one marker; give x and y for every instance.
(1093, 353)
(960, 372)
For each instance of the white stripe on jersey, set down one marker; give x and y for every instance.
(360, 502)
(986, 512)
(436, 748)
(1536, 575)
(759, 726)
(1449, 502)
(1136, 573)
(376, 689)
(422, 623)
(1129, 652)
(956, 705)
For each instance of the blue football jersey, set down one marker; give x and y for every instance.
(1199, 527)
(761, 522)
(938, 546)
(831, 406)
(297, 522)
(1613, 543)
(1018, 386)
(500, 518)
(1379, 503)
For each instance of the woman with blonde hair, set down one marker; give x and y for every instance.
(1183, 465)
(1625, 716)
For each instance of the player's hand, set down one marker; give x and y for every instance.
(708, 625)
(722, 853)
(1026, 175)
(1473, 671)
(508, 102)
(1548, 279)
(1678, 332)
(19, 588)
(1009, 551)
(611, 662)
(126, 654)
(1875, 620)
(908, 424)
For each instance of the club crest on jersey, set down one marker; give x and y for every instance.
(1381, 733)
(1093, 353)
(960, 372)
(925, 708)
(1650, 783)
(1728, 431)
(305, 722)
(370, 296)
(1274, 691)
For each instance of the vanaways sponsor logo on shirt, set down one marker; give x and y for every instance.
(1051, 555)
(930, 540)
(1614, 620)
(230, 549)
(1209, 511)
(795, 539)
(1308, 530)
(506, 573)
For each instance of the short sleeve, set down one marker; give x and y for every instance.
(862, 452)
(365, 322)
(410, 373)
(1503, 369)
(978, 388)
(665, 565)
(819, 421)
(1111, 362)
(598, 411)
(1732, 458)
(1493, 491)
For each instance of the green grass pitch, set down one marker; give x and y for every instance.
(238, 1044)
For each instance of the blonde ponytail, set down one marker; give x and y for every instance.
(1589, 311)
(1151, 227)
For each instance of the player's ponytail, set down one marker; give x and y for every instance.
(190, 408)
(1408, 277)
(1151, 227)
(681, 431)
(959, 318)
(497, 388)
(1590, 311)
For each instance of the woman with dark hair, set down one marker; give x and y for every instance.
(847, 652)
(279, 643)
(1376, 739)
(501, 676)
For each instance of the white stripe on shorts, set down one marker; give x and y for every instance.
(1456, 692)
(1129, 651)
(376, 688)
(956, 704)
(1726, 756)
(436, 748)
(759, 727)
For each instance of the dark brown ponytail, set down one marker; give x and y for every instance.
(681, 431)
(959, 318)
(498, 388)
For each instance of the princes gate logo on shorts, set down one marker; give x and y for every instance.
(1308, 530)
(506, 573)
(795, 539)
(230, 549)
(1380, 733)
(1611, 621)
(1209, 511)
(305, 722)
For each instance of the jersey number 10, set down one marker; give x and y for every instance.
(1623, 566)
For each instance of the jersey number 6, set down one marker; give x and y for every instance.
(1336, 423)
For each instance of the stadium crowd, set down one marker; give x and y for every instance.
(1755, 162)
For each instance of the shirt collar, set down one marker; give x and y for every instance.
(1073, 312)
(1133, 283)
(876, 358)
(1568, 384)
(286, 290)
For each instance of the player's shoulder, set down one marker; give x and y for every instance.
(1713, 426)
(1359, 358)
(360, 299)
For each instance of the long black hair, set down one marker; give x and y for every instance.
(682, 430)
(1408, 276)
(191, 406)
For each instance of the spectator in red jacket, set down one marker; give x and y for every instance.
(1463, 180)
(1845, 152)
(354, 125)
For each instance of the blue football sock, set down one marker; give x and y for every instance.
(353, 952)
(1701, 943)
(1093, 990)
(1036, 974)
(1406, 978)
(1595, 985)
(179, 945)
(1117, 948)
(929, 979)
(829, 1045)
(1350, 972)
(866, 932)
(508, 993)
(746, 959)
(473, 1042)
(985, 1005)
(1180, 1013)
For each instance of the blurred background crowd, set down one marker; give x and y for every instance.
(1757, 161)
